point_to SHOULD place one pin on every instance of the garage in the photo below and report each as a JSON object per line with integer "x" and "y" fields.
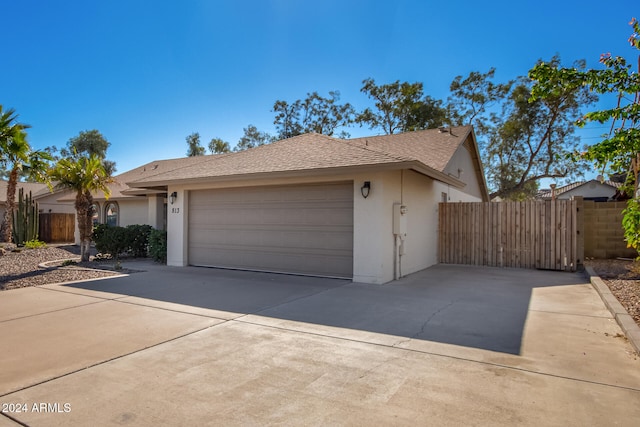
{"x": 300, "y": 229}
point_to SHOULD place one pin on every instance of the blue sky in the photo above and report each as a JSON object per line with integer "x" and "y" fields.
{"x": 148, "y": 73}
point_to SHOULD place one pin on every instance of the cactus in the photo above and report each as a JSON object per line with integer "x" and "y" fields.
{"x": 25, "y": 219}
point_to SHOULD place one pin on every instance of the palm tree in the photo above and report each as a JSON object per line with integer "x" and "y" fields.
{"x": 16, "y": 155}
{"x": 84, "y": 175}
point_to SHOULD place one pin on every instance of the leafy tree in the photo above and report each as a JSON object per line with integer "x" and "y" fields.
{"x": 83, "y": 175}
{"x": 287, "y": 119}
{"x": 473, "y": 97}
{"x": 313, "y": 114}
{"x": 253, "y": 138}
{"x": 218, "y": 146}
{"x": 17, "y": 156}
{"x": 195, "y": 149}
{"x": 619, "y": 151}
{"x": 525, "y": 140}
{"x": 400, "y": 107}
{"x": 90, "y": 143}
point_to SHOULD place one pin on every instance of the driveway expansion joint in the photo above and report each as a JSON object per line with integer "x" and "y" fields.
{"x": 122, "y": 356}
{"x": 20, "y": 423}
{"x": 53, "y": 311}
{"x": 430, "y": 353}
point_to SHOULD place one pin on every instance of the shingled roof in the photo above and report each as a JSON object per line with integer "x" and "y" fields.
{"x": 432, "y": 147}
{"x": 546, "y": 193}
{"x": 120, "y": 189}
{"x": 427, "y": 151}
{"x": 33, "y": 187}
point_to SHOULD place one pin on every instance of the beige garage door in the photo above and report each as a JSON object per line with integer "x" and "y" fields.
{"x": 305, "y": 229}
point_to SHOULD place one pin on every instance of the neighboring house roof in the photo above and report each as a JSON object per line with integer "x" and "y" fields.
{"x": 546, "y": 193}
{"x": 34, "y": 187}
{"x": 427, "y": 151}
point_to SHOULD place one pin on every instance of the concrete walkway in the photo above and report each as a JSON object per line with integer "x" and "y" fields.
{"x": 451, "y": 345}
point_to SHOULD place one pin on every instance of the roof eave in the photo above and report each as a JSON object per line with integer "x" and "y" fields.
{"x": 415, "y": 165}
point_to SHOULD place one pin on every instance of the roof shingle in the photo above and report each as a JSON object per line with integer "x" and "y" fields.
{"x": 315, "y": 152}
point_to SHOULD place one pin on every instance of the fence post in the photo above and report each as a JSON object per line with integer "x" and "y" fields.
{"x": 579, "y": 231}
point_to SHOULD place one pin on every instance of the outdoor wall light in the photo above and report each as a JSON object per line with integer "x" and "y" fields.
{"x": 365, "y": 189}
{"x": 173, "y": 197}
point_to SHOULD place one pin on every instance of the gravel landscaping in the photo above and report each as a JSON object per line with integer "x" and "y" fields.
{"x": 24, "y": 267}
{"x": 623, "y": 278}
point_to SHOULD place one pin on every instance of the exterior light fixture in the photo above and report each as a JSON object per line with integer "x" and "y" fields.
{"x": 173, "y": 197}
{"x": 365, "y": 189}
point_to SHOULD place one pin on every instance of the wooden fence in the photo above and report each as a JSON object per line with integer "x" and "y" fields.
{"x": 57, "y": 227}
{"x": 532, "y": 234}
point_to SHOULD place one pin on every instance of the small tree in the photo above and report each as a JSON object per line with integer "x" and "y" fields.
{"x": 400, "y": 107}
{"x": 253, "y": 138}
{"x": 195, "y": 149}
{"x": 90, "y": 143}
{"x": 522, "y": 140}
{"x": 219, "y": 146}
{"x": 619, "y": 151}
{"x": 315, "y": 113}
{"x": 83, "y": 175}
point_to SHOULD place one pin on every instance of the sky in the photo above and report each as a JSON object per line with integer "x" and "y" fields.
{"x": 148, "y": 73}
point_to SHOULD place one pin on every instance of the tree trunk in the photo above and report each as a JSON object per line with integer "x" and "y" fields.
{"x": 11, "y": 205}
{"x": 83, "y": 210}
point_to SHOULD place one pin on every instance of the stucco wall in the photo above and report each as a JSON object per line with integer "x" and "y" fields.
{"x": 177, "y": 228}
{"x": 421, "y": 243}
{"x": 373, "y": 240}
{"x": 372, "y": 252}
{"x": 132, "y": 211}
{"x": 462, "y": 166}
{"x": 49, "y": 203}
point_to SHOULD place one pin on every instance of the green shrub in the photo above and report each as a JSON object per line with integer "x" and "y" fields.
{"x": 132, "y": 239}
{"x": 99, "y": 231}
{"x": 35, "y": 244}
{"x": 111, "y": 240}
{"x": 138, "y": 239}
{"x": 158, "y": 245}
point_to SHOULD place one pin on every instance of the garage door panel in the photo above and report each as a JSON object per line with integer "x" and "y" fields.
{"x": 302, "y": 262}
{"x": 285, "y": 238}
{"x": 302, "y": 229}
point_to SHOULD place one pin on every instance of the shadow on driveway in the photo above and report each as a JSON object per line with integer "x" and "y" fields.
{"x": 478, "y": 307}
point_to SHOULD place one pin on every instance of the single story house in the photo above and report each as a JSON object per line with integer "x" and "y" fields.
{"x": 364, "y": 209}
{"x": 599, "y": 191}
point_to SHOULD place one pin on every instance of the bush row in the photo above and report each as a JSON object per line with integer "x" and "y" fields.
{"x": 134, "y": 240}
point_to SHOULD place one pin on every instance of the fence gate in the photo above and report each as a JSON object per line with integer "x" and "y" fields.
{"x": 531, "y": 234}
{"x": 57, "y": 227}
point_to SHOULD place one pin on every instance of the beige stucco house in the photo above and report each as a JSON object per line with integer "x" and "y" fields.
{"x": 363, "y": 209}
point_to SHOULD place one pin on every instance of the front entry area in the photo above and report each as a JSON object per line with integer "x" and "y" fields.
{"x": 300, "y": 229}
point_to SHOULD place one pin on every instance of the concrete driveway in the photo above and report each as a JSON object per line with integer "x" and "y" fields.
{"x": 451, "y": 345}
